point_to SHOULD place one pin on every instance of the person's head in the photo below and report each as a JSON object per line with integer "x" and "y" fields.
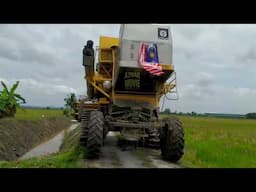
{"x": 89, "y": 43}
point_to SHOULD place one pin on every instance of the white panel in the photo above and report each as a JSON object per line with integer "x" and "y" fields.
{"x": 144, "y": 32}
{"x": 131, "y": 35}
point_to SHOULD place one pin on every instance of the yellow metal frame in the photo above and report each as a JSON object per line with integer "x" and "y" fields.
{"x": 168, "y": 67}
{"x": 151, "y": 99}
{"x": 91, "y": 105}
{"x": 107, "y": 49}
{"x": 105, "y": 44}
{"x": 108, "y": 42}
{"x": 103, "y": 101}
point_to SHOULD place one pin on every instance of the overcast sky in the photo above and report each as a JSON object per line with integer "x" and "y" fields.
{"x": 215, "y": 64}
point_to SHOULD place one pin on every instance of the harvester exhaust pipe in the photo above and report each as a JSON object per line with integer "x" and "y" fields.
{"x": 88, "y": 63}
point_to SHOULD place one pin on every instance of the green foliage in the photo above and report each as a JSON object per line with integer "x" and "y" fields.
{"x": 251, "y": 115}
{"x": 67, "y": 159}
{"x": 69, "y": 104}
{"x": 36, "y": 114}
{"x": 9, "y": 100}
{"x": 67, "y": 112}
{"x": 193, "y": 113}
{"x": 70, "y": 99}
{"x": 167, "y": 111}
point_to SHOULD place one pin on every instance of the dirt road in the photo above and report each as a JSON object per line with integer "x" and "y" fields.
{"x": 113, "y": 157}
{"x": 48, "y": 147}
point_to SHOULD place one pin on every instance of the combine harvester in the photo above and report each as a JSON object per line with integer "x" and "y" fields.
{"x": 124, "y": 89}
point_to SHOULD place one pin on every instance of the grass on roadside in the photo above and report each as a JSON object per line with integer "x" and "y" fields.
{"x": 70, "y": 156}
{"x": 35, "y": 114}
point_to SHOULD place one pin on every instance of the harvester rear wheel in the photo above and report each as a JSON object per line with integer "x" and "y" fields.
{"x": 172, "y": 140}
{"x": 95, "y": 134}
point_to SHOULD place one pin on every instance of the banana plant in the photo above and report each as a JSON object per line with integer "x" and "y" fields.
{"x": 9, "y": 100}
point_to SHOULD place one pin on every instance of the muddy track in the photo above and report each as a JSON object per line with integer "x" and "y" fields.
{"x": 114, "y": 157}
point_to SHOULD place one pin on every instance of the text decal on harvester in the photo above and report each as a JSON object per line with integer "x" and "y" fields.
{"x": 132, "y": 80}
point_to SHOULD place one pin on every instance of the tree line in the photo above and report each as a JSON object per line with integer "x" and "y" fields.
{"x": 167, "y": 111}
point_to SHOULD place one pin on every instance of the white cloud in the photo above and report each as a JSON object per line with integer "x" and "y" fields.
{"x": 245, "y": 92}
{"x": 64, "y": 89}
{"x": 49, "y": 88}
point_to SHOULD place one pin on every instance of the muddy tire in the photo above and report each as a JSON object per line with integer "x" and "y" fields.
{"x": 105, "y": 135}
{"x": 172, "y": 140}
{"x": 84, "y": 126}
{"x": 95, "y": 134}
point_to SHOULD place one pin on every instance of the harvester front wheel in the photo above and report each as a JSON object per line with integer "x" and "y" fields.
{"x": 172, "y": 140}
{"x": 95, "y": 134}
{"x": 85, "y": 115}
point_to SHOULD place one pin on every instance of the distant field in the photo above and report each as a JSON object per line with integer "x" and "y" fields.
{"x": 35, "y": 114}
{"x": 219, "y": 143}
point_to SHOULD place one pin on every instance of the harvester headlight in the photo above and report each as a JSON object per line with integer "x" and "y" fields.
{"x": 107, "y": 85}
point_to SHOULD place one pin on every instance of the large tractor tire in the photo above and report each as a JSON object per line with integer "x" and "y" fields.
{"x": 85, "y": 115}
{"x": 95, "y": 134}
{"x": 172, "y": 140}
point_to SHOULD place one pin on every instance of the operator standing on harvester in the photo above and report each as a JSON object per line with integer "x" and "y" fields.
{"x": 124, "y": 91}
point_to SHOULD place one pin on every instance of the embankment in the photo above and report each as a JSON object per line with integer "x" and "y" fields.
{"x": 19, "y": 136}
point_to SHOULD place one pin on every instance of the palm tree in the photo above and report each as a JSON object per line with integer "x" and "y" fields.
{"x": 9, "y": 100}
